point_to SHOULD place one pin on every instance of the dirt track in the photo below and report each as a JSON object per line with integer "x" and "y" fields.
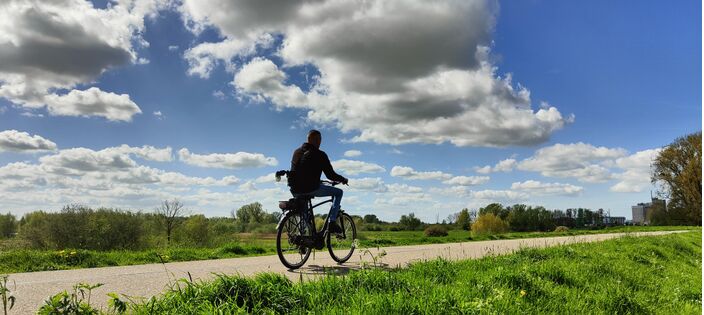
{"x": 148, "y": 280}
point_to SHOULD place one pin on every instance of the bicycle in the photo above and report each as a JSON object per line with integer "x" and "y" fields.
{"x": 296, "y": 236}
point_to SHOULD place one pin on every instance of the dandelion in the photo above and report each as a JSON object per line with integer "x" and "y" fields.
{"x": 523, "y": 293}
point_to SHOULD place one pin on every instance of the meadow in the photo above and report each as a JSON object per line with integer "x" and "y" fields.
{"x": 16, "y": 259}
{"x": 627, "y": 275}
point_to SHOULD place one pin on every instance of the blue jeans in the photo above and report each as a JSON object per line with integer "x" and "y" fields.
{"x": 335, "y": 193}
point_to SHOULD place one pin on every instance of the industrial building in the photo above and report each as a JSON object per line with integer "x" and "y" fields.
{"x": 641, "y": 211}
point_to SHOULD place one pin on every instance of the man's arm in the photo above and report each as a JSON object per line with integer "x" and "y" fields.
{"x": 329, "y": 172}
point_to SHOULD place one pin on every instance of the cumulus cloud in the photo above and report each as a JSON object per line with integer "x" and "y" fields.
{"x": 353, "y": 167}
{"x": 636, "y": 174}
{"x": 226, "y": 160}
{"x": 104, "y": 177}
{"x": 19, "y": 141}
{"x": 582, "y": 161}
{"x": 499, "y": 195}
{"x": 50, "y": 45}
{"x": 538, "y": 188}
{"x": 352, "y": 153}
{"x": 409, "y": 173}
{"x": 374, "y": 184}
{"x": 506, "y": 165}
{"x": 467, "y": 180}
{"x": 93, "y": 102}
{"x": 383, "y": 76}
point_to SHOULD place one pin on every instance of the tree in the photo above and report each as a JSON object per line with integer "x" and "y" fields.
{"x": 488, "y": 223}
{"x": 409, "y": 222}
{"x": 251, "y": 213}
{"x": 370, "y": 218}
{"x": 168, "y": 213}
{"x": 195, "y": 229}
{"x": 677, "y": 169}
{"x": 463, "y": 220}
{"x": 497, "y": 209}
{"x": 8, "y": 225}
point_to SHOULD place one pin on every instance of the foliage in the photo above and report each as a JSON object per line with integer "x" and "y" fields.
{"x": 629, "y": 275}
{"x": 8, "y": 300}
{"x": 371, "y": 218}
{"x": 523, "y": 218}
{"x": 496, "y": 209}
{"x": 8, "y": 225}
{"x": 678, "y": 169}
{"x": 435, "y": 230}
{"x": 488, "y": 223}
{"x": 195, "y": 231}
{"x": 562, "y": 228}
{"x": 463, "y": 220}
{"x": 76, "y": 302}
{"x": 409, "y": 222}
{"x": 81, "y": 227}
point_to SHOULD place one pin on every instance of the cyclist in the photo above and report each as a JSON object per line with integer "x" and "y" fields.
{"x": 307, "y": 164}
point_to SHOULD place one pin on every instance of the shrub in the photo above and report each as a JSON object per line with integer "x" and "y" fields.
{"x": 489, "y": 224}
{"x": 562, "y": 229}
{"x": 435, "y": 230}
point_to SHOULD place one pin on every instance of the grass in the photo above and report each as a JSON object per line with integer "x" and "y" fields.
{"x": 25, "y": 260}
{"x": 628, "y": 275}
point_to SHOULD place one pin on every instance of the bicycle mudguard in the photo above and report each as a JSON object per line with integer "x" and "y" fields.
{"x": 283, "y": 215}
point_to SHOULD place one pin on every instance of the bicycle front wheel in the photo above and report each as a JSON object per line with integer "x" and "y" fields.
{"x": 290, "y": 240}
{"x": 342, "y": 245}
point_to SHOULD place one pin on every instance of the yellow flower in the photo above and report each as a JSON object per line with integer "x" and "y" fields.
{"x": 62, "y": 251}
{"x": 523, "y": 293}
{"x": 73, "y": 253}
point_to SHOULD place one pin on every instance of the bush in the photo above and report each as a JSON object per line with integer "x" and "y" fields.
{"x": 489, "y": 224}
{"x": 435, "y": 230}
{"x": 562, "y": 229}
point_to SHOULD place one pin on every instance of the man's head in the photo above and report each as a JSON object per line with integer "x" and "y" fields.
{"x": 315, "y": 138}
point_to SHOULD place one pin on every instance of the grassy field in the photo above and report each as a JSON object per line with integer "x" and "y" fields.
{"x": 22, "y": 260}
{"x": 629, "y": 275}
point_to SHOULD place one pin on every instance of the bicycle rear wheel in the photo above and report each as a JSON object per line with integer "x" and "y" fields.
{"x": 342, "y": 245}
{"x": 289, "y": 240}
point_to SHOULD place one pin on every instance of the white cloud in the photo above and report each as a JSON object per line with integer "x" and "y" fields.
{"x": 443, "y": 88}
{"x": 173, "y": 47}
{"x": 467, "y": 180}
{"x": 537, "y": 188}
{"x": 374, "y": 184}
{"x": 226, "y": 160}
{"x": 582, "y": 161}
{"x": 51, "y": 45}
{"x": 409, "y": 173}
{"x": 353, "y": 167}
{"x": 636, "y": 174}
{"x": 93, "y": 102}
{"x": 499, "y": 195}
{"x": 506, "y": 165}
{"x": 353, "y": 153}
{"x": 219, "y": 95}
{"x": 158, "y": 114}
{"x": 19, "y": 141}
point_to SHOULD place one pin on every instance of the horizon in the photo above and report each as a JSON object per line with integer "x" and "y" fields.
{"x": 543, "y": 103}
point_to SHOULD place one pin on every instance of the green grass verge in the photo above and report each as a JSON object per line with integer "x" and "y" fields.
{"x": 629, "y": 275}
{"x": 24, "y": 260}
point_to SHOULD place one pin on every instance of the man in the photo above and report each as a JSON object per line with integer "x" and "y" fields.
{"x": 307, "y": 164}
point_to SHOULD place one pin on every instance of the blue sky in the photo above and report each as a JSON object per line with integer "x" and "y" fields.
{"x": 201, "y": 100}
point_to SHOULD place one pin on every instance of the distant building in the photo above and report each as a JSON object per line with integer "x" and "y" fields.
{"x": 641, "y": 211}
{"x": 611, "y": 221}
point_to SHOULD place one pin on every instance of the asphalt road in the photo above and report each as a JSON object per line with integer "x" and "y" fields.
{"x": 147, "y": 280}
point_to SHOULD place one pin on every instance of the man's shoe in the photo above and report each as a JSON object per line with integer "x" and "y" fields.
{"x": 333, "y": 228}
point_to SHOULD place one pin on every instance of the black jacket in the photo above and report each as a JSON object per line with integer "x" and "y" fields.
{"x": 307, "y": 164}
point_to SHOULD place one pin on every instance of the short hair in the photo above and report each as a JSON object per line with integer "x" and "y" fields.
{"x": 314, "y": 133}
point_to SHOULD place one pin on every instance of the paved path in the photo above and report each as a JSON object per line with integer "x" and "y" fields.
{"x": 147, "y": 280}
